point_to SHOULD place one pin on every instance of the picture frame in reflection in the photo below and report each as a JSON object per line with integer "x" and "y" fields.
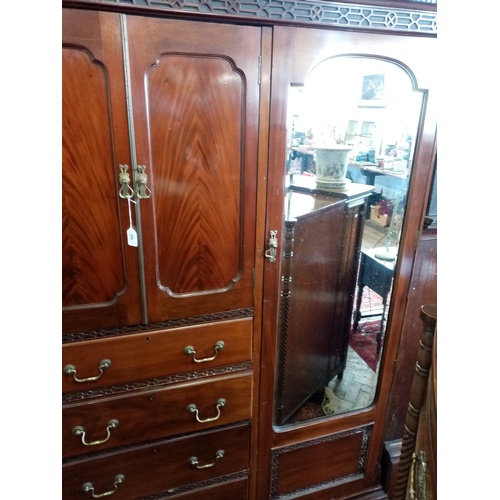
{"x": 372, "y": 91}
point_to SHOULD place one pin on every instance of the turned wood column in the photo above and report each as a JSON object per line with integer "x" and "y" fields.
{"x": 428, "y": 314}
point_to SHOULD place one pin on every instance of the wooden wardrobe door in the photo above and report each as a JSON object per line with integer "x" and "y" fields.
{"x": 308, "y": 299}
{"x": 195, "y": 97}
{"x": 99, "y": 269}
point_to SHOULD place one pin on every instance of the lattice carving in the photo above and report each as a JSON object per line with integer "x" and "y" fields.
{"x": 352, "y": 16}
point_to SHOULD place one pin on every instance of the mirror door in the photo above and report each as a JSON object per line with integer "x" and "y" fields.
{"x": 357, "y": 119}
{"x": 339, "y": 238}
{"x": 292, "y": 419}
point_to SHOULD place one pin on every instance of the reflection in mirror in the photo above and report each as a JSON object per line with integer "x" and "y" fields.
{"x": 350, "y": 139}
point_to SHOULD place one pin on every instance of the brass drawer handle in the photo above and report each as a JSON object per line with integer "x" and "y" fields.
{"x": 191, "y": 408}
{"x": 194, "y": 461}
{"x": 104, "y": 364}
{"x": 190, "y": 351}
{"x": 80, "y": 431}
{"x": 89, "y": 487}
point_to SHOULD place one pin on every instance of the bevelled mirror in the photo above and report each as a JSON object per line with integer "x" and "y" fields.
{"x": 351, "y": 132}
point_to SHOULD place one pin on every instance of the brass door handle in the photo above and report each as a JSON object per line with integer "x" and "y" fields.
{"x": 418, "y": 475}
{"x": 124, "y": 179}
{"x": 141, "y": 180}
{"x": 272, "y": 251}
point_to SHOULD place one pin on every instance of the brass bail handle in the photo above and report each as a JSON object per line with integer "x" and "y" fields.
{"x": 89, "y": 487}
{"x": 104, "y": 364}
{"x": 192, "y": 408}
{"x": 190, "y": 351}
{"x": 272, "y": 251}
{"x": 193, "y": 461}
{"x": 125, "y": 192}
{"x": 79, "y": 431}
{"x": 141, "y": 180}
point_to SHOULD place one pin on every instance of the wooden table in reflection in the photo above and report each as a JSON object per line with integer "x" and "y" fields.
{"x": 377, "y": 274}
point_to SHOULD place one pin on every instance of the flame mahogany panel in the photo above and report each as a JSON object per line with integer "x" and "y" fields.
{"x": 195, "y": 94}
{"x": 91, "y": 232}
{"x": 195, "y": 106}
{"x": 97, "y": 266}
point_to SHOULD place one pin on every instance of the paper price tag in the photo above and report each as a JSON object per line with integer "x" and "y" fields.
{"x": 132, "y": 237}
{"x": 131, "y": 232}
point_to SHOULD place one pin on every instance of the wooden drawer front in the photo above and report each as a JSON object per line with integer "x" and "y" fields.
{"x": 230, "y": 490}
{"x": 161, "y": 353}
{"x": 155, "y": 414}
{"x": 161, "y": 466}
{"x": 323, "y": 461}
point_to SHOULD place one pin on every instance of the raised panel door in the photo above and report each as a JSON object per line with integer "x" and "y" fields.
{"x": 99, "y": 270}
{"x": 195, "y": 97}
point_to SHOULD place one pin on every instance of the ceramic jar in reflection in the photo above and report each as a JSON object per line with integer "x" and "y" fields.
{"x": 331, "y": 165}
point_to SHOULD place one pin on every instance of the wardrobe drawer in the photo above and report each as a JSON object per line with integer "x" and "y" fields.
{"x": 159, "y": 353}
{"x": 230, "y": 490}
{"x": 152, "y": 414}
{"x": 165, "y": 465}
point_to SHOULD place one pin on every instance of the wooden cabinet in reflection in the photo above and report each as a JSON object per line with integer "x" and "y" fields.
{"x": 322, "y": 236}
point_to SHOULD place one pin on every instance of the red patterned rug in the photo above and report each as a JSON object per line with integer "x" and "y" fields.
{"x": 363, "y": 341}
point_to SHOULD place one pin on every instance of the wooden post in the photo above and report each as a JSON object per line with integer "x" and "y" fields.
{"x": 428, "y": 313}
